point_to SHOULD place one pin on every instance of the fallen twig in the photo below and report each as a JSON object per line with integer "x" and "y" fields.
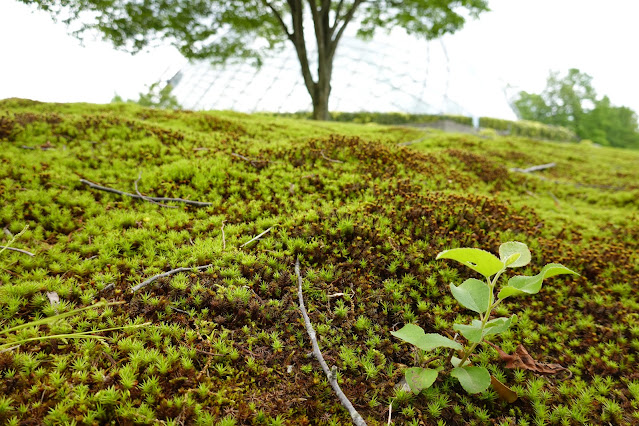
{"x": 329, "y": 159}
{"x": 254, "y": 162}
{"x": 330, "y": 374}
{"x": 411, "y": 142}
{"x": 256, "y": 238}
{"x": 145, "y": 198}
{"x": 140, "y": 197}
{"x": 555, "y": 199}
{"x": 169, "y": 273}
{"x": 17, "y": 249}
{"x": 223, "y": 236}
{"x": 533, "y": 168}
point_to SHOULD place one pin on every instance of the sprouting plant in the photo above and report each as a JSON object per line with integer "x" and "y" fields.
{"x": 478, "y": 296}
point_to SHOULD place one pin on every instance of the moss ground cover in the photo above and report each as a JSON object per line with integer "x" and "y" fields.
{"x": 365, "y": 216}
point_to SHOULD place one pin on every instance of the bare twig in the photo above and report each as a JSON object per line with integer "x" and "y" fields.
{"x": 390, "y": 413}
{"x": 330, "y": 374}
{"x": 533, "y": 168}
{"x": 254, "y": 162}
{"x": 329, "y": 159}
{"x": 411, "y": 142}
{"x": 223, "y": 236}
{"x": 128, "y": 194}
{"x": 555, "y": 199}
{"x": 18, "y": 250}
{"x": 169, "y": 273}
{"x": 256, "y": 238}
{"x": 145, "y": 198}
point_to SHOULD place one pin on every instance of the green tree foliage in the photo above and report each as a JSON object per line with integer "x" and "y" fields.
{"x": 223, "y": 30}
{"x": 572, "y": 102}
{"x": 156, "y": 97}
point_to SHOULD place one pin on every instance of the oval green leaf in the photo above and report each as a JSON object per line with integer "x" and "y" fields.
{"x": 471, "y": 332}
{"x": 472, "y": 294}
{"x": 507, "y": 252}
{"x": 472, "y": 379}
{"x": 420, "y": 378}
{"x": 478, "y": 260}
{"x": 522, "y": 284}
{"x": 498, "y": 325}
{"x": 415, "y": 335}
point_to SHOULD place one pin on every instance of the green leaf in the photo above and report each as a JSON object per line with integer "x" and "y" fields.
{"x": 471, "y": 332}
{"x": 478, "y": 260}
{"x": 420, "y": 378}
{"x": 472, "y": 379}
{"x": 507, "y": 252}
{"x": 472, "y": 294}
{"x": 475, "y": 334}
{"x": 415, "y": 335}
{"x": 522, "y": 284}
{"x": 498, "y": 325}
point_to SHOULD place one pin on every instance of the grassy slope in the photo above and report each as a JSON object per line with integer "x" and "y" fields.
{"x": 367, "y": 230}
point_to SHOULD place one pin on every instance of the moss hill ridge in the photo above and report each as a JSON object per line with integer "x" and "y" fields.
{"x": 366, "y": 208}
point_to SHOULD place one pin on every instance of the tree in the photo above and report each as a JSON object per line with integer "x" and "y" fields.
{"x": 158, "y": 96}
{"x": 572, "y": 102}
{"x": 562, "y": 102}
{"x": 224, "y": 30}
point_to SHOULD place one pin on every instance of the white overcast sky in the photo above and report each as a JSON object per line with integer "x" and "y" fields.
{"x": 518, "y": 43}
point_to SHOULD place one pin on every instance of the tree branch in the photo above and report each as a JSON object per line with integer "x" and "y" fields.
{"x": 330, "y": 374}
{"x": 278, "y": 16}
{"x": 347, "y": 19}
{"x": 338, "y": 10}
{"x": 297, "y": 15}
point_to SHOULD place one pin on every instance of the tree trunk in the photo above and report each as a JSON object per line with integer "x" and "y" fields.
{"x": 320, "y": 95}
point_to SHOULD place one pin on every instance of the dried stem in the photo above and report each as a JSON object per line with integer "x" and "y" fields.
{"x": 357, "y": 418}
{"x": 168, "y": 273}
{"x": 145, "y": 198}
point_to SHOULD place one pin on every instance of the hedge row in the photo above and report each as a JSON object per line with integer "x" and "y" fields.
{"x": 530, "y": 129}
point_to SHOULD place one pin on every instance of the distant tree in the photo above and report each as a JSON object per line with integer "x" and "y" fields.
{"x": 158, "y": 96}
{"x": 610, "y": 125}
{"x": 571, "y": 101}
{"x": 223, "y": 30}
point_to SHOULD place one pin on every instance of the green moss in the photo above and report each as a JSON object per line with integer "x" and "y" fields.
{"x": 226, "y": 344}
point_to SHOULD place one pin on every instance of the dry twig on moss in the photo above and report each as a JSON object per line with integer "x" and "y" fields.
{"x": 168, "y": 273}
{"x": 142, "y": 197}
{"x": 330, "y": 374}
{"x": 533, "y": 168}
{"x": 17, "y": 249}
{"x": 329, "y": 159}
{"x": 256, "y": 238}
{"x": 150, "y": 200}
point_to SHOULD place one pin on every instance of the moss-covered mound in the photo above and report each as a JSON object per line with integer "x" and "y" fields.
{"x": 365, "y": 208}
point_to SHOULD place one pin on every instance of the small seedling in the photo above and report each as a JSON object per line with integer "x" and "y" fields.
{"x": 478, "y": 296}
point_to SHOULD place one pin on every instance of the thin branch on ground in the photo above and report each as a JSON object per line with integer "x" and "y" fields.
{"x": 330, "y": 374}
{"x": 533, "y": 168}
{"x": 145, "y": 198}
{"x": 256, "y": 238}
{"x": 223, "y": 236}
{"x": 17, "y": 249}
{"x": 412, "y": 142}
{"x": 555, "y": 199}
{"x": 167, "y": 274}
{"x": 390, "y": 413}
{"x": 254, "y": 162}
{"x": 329, "y": 159}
